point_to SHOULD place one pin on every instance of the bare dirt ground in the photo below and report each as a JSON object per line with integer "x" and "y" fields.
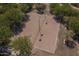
{"x": 76, "y": 8}
{"x": 45, "y": 35}
{"x": 49, "y": 38}
{"x": 63, "y": 50}
{"x": 44, "y": 28}
{"x": 37, "y": 26}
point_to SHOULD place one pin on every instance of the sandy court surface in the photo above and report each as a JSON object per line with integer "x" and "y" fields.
{"x": 32, "y": 27}
{"x": 49, "y": 39}
{"x": 36, "y": 26}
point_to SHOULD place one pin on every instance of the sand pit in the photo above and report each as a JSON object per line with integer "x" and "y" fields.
{"x": 45, "y": 25}
{"x": 50, "y": 35}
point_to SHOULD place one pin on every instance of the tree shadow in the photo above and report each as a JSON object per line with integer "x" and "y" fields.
{"x": 17, "y": 27}
{"x": 56, "y": 19}
{"x": 4, "y": 51}
{"x": 59, "y": 19}
{"x": 39, "y": 11}
{"x": 25, "y": 18}
{"x": 70, "y": 44}
{"x": 76, "y": 38}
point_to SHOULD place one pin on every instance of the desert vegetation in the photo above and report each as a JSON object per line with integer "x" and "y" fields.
{"x": 22, "y": 45}
{"x": 11, "y": 16}
{"x": 69, "y": 19}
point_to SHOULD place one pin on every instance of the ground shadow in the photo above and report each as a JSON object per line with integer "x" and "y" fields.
{"x": 25, "y": 18}
{"x": 70, "y": 44}
{"x": 17, "y": 27}
{"x": 4, "y": 51}
{"x": 76, "y": 38}
{"x": 59, "y": 19}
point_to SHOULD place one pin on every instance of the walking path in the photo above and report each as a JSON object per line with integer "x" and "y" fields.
{"x": 74, "y": 7}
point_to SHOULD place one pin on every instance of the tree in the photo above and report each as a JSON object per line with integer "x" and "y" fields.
{"x": 23, "y": 45}
{"x": 26, "y": 7}
{"x": 40, "y": 8}
{"x": 63, "y": 9}
{"x": 5, "y": 34}
{"x": 73, "y": 24}
{"x": 6, "y": 7}
{"x": 11, "y": 17}
{"x": 14, "y": 17}
{"x": 5, "y": 31}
